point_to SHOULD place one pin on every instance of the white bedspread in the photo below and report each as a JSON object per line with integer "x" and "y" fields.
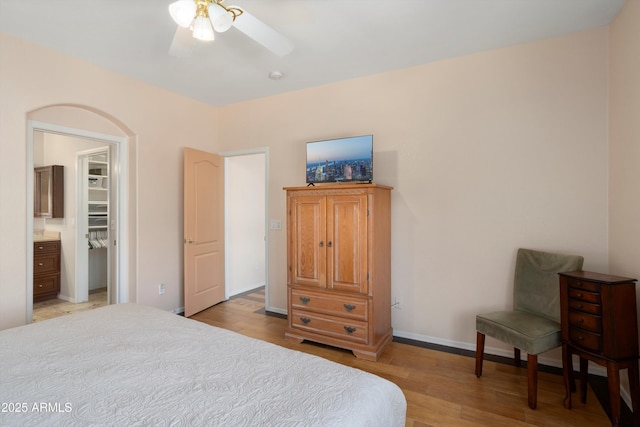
{"x": 131, "y": 365}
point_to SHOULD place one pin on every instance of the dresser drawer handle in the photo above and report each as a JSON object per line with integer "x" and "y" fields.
{"x": 579, "y": 305}
{"x": 41, "y": 247}
{"x": 580, "y": 320}
{"x": 580, "y": 338}
{"x": 305, "y": 320}
{"x": 579, "y": 284}
{"x": 349, "y": 307}
{"x": 40, "y": 264}
{"x": 579, "y": 295}
{"x": 41, "y": 286}
{"x": 305, "y": 300}
{"x": 349, "y": 329}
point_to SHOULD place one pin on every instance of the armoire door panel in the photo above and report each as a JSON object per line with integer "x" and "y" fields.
{"x": 347, "y": 243}
{"x": 308, "y": 237}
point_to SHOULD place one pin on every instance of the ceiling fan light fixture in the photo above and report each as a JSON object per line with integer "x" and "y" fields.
{"x": 202, "y": 29}
{"x": 183, "y": 12}
{"x": 221, "y": 19}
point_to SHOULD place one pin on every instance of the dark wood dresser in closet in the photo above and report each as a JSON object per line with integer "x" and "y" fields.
{"x": 599, "y": 323}
{"x": 46, "y": 269}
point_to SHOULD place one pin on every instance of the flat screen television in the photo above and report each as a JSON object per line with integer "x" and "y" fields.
{"x": 340, "y": 160}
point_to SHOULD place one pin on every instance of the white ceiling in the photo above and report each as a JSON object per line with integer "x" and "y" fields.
{"x": 334, "y": 40}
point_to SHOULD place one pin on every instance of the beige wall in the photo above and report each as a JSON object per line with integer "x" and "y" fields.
{"x": 624, "y": 139}
{"x": 487, "y": 153}
{"x": 159, "y": 124}
{"x": 624, "y": 145}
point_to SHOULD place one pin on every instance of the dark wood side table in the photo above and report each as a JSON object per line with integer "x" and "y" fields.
{"x": 599, "y": 323}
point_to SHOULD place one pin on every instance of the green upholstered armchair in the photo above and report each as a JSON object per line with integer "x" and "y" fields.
{"x": 534, "y": 323}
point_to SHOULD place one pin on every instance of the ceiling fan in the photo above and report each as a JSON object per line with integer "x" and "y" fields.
{"x": 201, "y": 19}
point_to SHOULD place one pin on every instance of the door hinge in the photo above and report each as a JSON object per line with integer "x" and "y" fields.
{"x": 367, "y": 275}
{"x": 114, "y": 242}
{"x": 367, "y": 212}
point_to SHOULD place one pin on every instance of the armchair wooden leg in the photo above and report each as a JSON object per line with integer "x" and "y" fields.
{"x": 532, "y": 380}
{"x": 479, "y": 353}
{"x": 516, "y": 357}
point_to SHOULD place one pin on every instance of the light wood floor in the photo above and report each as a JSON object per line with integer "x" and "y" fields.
{"x": 441, "y": 388}
{"x": 56, "y": 307}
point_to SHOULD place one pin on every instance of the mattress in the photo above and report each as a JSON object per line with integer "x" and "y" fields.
{"x": 129, "y": 364}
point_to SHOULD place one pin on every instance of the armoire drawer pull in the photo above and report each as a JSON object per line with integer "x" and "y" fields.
{"x": 349, "y": 307}
{"x": 579, "y": 295}
{"x": 41, "y": 285}
{"x": 305, "y": 300}
{"x": 305, "y": 320}
{"x": 349, "y": 329}
{"x": 41, "y": 247}
{"x": 40, "y": 264}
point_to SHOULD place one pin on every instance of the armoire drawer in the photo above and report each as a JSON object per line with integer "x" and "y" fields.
{"x": 331, "y": 304}
{"x": 331, "y": 326}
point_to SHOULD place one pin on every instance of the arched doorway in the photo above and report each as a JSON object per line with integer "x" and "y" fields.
{"x": 79, "y": 123}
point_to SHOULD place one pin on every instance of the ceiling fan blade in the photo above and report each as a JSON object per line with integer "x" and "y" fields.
{"x": 182, "y": 43}
{"x": 263, "y": 34}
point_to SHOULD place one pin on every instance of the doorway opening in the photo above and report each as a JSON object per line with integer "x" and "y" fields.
{"x": 246, "y": 221}
{"x": 51, "y": 143}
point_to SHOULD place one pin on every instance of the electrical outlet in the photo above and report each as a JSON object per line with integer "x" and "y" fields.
{"x": 161, "y": 289}
{"x": 396, "y": 303}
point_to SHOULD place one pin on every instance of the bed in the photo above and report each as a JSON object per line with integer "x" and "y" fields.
{"x": 129, "y": 364}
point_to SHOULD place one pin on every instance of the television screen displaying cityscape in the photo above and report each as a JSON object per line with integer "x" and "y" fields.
{"x": 343, "y": 159}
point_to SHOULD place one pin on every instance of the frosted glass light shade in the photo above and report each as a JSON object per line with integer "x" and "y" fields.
{"x": 183, "y": 12}
{"x": 220, "y": 18}
{"x": 202, "y": 29}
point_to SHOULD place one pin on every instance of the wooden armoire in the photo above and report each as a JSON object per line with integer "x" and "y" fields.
{"x": 339, "y": 266}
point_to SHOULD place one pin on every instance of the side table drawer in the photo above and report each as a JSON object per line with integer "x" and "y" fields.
{"x": 585, "y": 306}
{"x": 586, "y": 321}
{"x": 587, "y": 296}
{"x": 584, "y": 285}
{"x": 586, "y": 340}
